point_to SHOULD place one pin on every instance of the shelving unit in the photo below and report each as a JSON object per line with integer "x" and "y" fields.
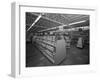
{"x": 48, "y": 45}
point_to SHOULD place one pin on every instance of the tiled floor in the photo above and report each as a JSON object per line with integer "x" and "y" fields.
{"x": 74, "y": 56}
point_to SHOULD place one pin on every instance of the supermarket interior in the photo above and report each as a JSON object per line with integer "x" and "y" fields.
{"x": 54, "y": 39}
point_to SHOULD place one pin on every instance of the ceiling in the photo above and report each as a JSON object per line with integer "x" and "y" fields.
{"x": 50, "y": 20}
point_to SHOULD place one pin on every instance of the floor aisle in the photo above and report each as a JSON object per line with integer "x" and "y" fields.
{"x": 74, "y": 56}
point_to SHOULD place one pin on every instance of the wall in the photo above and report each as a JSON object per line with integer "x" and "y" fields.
{"x": 5, "y": 41}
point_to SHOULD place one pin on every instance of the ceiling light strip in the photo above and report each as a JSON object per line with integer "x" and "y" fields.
{"x": 35, "y": 22}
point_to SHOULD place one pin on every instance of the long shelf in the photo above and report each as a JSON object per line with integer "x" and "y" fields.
{"x": 45, "y": 48}
{"x": 47, "y": 43}
{"x": 47, "y": 40}
{"x": 46, "y": 53}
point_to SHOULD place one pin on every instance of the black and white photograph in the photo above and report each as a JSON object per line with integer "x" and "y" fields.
{"x": 54, "y": 39}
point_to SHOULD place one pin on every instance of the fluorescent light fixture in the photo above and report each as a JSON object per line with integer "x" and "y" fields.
{"x": 35, "y": 22}
{"x": 52, "y": 28}
{"x": 77, "y": 22}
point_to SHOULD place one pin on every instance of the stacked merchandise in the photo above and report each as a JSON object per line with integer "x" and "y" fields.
{"x": 46, "y": 44}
